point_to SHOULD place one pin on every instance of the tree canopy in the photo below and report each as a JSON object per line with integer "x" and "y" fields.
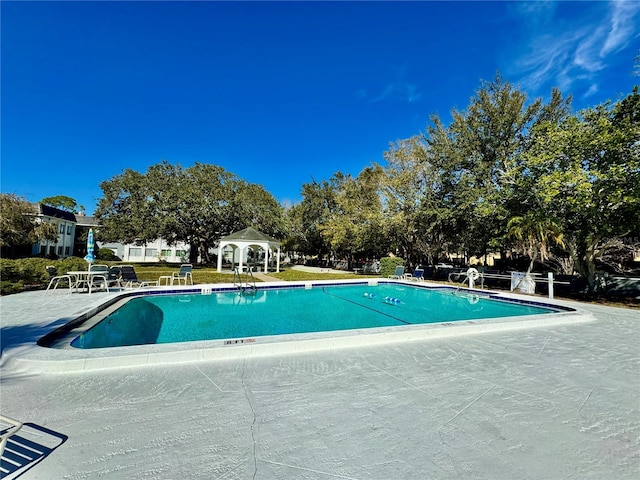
{"x": 19, "y": 224}
{"x": 584, "y": 173}
{"x": 196, "y": 205}
{"x": 63, "y": 203}
{"x": 506, "y": 174}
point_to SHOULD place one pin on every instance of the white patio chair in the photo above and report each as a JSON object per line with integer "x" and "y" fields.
{"x": 399, "y": 273}
{"x": 55, "y": 279}
{"x": 184, "y": 274}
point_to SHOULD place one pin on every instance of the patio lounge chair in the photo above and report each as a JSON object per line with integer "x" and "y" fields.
{"x": 399, "y": 273}
{"x": 184, "y": 274}
{"x": 24, "y": 445}
{"x": 55, "y": 279}
{"x": 101, "y": 279}
{"x": 418, "y": 275}
{"x": 114, "y": 275}
{"x": 129, "y": 279}
{"x": 8, "y": 427}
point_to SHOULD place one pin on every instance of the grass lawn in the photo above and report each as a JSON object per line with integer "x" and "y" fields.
{"x": 200, "y": 274}
{"x": 297, "y": 275}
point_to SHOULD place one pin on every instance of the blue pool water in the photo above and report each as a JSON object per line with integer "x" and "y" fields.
{"x": 230, "y": 315}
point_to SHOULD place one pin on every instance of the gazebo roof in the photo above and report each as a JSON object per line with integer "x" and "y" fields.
{"x": 249, "y": 234}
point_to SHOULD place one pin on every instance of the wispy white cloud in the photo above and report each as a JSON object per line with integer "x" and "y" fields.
{"x": 398, "y": 90}
{"x": 563, "y": 50}
{"x": 623, "y": 26}
{"x": 536, "y": 13}
{"x": 401, "y": 91}
{"x": 593, "y": 89}
{"x": 585, "y": 56}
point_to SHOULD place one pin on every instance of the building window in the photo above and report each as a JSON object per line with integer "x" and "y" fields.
{"x": 165, "y": 253}
{"x": 59, "y": 250}
{"x": 151, "y": 252}
{"x": 52, "y": 250}
{"x": 68, "y": 229}
{"x": 135, "y": 252}
{"x": 61, "y": 228}
{"x": 181, "y": 253}
{"x": 67, "y": 250}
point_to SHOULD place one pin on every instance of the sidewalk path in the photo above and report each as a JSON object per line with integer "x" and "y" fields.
{"x": 266, "y": 278}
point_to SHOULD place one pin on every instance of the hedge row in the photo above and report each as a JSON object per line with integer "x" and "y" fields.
{"x": 30, "y": 273}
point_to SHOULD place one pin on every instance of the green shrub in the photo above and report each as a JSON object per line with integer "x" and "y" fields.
{"x": 8, "y": 271}
{"x": 388, "y": 265}
{"x": 7, "y": 288}
{"x": 27, "y": 271}
{"x": 107, "y": 255}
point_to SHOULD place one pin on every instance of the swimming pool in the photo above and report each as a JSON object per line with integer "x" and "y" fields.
{"x": 233, "y": 317}
{"x": 54, "y": 354}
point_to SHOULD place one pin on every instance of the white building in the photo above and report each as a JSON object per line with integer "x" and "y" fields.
{"x": 152, "y": 252}
{"x": 65, "y": 223}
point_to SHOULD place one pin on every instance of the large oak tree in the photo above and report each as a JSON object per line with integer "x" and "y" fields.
{"x": 197, "y": 205}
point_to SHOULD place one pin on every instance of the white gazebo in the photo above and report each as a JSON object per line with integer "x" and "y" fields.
{"x": 243, "y": 240}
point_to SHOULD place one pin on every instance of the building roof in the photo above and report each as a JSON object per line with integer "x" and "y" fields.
{"x": 85, "y": 221}
{"x": 54, "y": 212}
{"x": 49, "y": 211}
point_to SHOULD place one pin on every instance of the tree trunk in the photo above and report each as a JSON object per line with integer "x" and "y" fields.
{"x": 585, "y": 265}
{"x": 193, "y": 253}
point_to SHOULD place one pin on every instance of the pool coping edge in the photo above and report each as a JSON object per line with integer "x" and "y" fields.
{"x": 35, "y": 359}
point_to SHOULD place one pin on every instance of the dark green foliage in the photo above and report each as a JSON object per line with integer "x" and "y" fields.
{"x": 107, "y": 255}
{"x": 7, "y": 288}
{"x": 196, "y": 205}
{"x": 341, "y": 217}
{"x": 388, "y": 265}
{"x": 62, "y": 202}
{"x": 18, "y": 225}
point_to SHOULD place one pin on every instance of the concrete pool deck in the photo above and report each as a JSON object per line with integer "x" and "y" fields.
{"x": 552, "y": 402}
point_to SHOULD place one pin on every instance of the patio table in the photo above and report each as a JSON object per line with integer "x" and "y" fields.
{"x": 84, "y": 278}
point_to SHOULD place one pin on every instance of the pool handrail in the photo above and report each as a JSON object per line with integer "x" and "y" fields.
{"x": 238, "y": 283}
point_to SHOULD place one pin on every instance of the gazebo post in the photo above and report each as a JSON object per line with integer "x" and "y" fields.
{"x": 243, "y": 251}
{"x": 220, "y": 246}
{"x": 267, "y": 251}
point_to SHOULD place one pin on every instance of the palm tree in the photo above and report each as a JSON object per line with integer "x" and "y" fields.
{"x": 532, "y": 233}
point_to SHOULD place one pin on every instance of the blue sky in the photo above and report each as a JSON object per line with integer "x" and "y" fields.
{"x": 278, "y": 93}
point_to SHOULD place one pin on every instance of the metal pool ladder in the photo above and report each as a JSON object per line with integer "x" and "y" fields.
{"x": 245, "y": 287}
